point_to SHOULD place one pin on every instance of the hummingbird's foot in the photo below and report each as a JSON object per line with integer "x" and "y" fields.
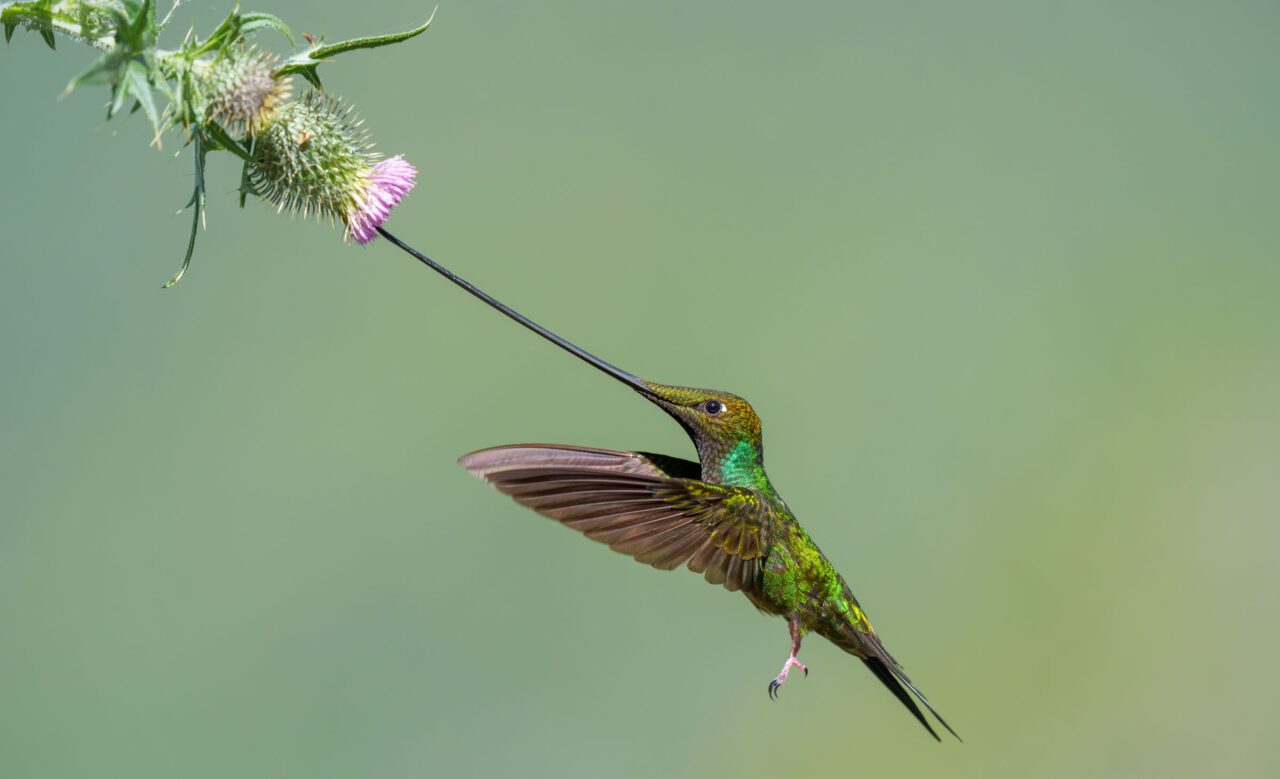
{"x": 781, "y": 679}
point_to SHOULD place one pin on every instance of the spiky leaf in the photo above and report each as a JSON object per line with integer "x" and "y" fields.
{"x": 224, "y": 141}
{"x": 252, "y": 22}
{"x": 140, "y": 89}
{"x": 306, "y": 63}
{"x": 196, "y": 204}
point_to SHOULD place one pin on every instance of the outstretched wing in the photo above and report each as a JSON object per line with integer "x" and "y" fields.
{"x": 643, "y": 505}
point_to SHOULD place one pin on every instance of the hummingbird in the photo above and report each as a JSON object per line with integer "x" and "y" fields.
{"x": 720, "y": 516}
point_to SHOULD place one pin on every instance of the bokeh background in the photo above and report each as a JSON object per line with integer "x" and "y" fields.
{"x": 1000, "y": 277}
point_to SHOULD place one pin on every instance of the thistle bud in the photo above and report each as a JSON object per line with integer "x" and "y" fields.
{"x": 243, "y": 94}
{"x": 315, "y": 158}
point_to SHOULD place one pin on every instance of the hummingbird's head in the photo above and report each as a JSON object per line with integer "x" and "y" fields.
{"x": 724, "y": 428}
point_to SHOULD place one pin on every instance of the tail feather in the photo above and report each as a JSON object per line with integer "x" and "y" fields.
{"x": 886, "y": 676}
{"x": 892, "y": 676}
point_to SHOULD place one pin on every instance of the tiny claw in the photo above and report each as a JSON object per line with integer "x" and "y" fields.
{"x": 781, "y": 678}
{"x": 806, "y": 671}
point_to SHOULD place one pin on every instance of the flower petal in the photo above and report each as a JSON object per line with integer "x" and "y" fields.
{"x": 386, "y": 185}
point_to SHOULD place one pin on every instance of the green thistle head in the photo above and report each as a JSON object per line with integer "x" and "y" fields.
{"x": 315, "y": 158}
{"x": 243, "y": 91}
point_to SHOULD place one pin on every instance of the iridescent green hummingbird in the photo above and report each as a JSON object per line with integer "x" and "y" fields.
{"x": 720, "y": 516}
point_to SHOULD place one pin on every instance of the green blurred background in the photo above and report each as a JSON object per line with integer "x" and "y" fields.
{"x": 1000, "y": 277}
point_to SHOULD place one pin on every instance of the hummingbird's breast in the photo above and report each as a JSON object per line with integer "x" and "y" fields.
{"x": 796, "y": 578}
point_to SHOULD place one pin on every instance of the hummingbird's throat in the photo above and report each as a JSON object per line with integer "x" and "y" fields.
{"x": 743, "y": 466}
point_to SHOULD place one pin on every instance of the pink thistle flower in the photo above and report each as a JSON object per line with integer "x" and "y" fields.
{"x": 385, "y": 186}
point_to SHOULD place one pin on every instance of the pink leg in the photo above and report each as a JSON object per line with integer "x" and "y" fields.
{"x": 797, "y": 635}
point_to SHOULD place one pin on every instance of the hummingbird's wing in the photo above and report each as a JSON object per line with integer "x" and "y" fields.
{"x": 639, "y": 504}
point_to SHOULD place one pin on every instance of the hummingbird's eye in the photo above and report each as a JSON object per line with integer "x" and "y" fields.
{"x": 713, "y": 407}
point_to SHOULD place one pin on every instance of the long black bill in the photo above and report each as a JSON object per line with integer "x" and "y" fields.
{"x": 626, "y": 378}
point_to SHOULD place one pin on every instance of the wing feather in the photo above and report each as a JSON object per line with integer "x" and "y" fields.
{"x": 642, "y": 505}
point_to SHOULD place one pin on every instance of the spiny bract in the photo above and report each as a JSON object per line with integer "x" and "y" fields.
{"x": 243, "y": 91}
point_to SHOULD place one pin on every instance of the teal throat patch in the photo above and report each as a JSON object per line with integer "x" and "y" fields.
{"x": 742, "y": 467}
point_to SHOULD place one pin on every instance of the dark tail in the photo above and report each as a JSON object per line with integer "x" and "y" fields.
{"x": 890, "y": 674}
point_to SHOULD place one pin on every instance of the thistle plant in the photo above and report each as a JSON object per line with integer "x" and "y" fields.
{"x": 222, "y": 93}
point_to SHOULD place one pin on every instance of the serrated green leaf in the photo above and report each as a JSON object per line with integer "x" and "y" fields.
{"x": 301, "y": 65}
{"x": 312, "y": 74}
{"x": 246, "y": 183}
{"x": 306, "y": 63}
{"x": 225, "y": 34}
{"x": 139, "y": 33}
{"x": 226, "y": 142}
{"x": 9, "y": 27}
{"x": 47, "y": 34}
{"x": 119, "y": 94}
{"x": 182, "y": 101}
{"x": 246, "y": 178}
{"x": 196, "y": 204}
{"x": 162, "y": 86}
{"x": 136, "y": 75}
{"x": 253, "y": 22}
{"x": 94, "y": 74}
{"x": 371, "y": 42}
